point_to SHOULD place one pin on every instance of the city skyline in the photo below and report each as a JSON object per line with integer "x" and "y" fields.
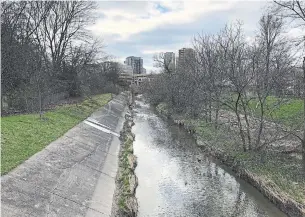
{"x": 136, "y": 63}
{"x": 146, "y": 28}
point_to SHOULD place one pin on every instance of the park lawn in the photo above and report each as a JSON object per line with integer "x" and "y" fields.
{"x": 289, "y": 112}
{"x": 24, "y": 135}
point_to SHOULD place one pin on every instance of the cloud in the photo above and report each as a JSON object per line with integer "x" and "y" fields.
{"x": 154, "y": 51}
{"x": 133, "y": 19}
{"x": 295, "y": 33}
{"x": 143, "y": 28}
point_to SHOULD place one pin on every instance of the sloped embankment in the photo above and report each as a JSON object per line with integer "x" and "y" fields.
{"x": 125, "y": 202}
{"x": 267, "y": 176}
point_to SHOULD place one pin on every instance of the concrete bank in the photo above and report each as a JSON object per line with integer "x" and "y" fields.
{"x": 74, "y": 175}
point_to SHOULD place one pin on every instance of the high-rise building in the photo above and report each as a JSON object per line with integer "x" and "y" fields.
{"x": 185, "y": 55}
{"x": 170, "y": 60}
{"x": 136, "y": 63}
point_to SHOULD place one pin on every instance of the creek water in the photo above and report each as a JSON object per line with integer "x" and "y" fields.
{"x": 176, "y": 178}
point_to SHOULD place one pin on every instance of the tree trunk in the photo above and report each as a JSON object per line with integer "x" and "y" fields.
{"x": 247, "y": 125}
{"x": 26, "y": 103}
{"x": 210, "y": 107}
{"x": 216, "y": 117}
{"x": 303, "y": 154}
{"x": 303, "y": 140}
{"x": 217, "y": 110}
{"x": 241, "y": 132}
{"x": 259, "y": 134}
{"x": 40, "y": 103}
{"x": 261, "y": 124}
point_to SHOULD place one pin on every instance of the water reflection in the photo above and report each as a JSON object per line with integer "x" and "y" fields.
{"x": 176, "y": 179}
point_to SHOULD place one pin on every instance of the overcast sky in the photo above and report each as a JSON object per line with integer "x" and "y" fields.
{"x": 142, "y": 28}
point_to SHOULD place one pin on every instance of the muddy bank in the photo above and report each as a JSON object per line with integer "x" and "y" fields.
{"x": 279, "y": 198}
{"x": 125, "y": 203}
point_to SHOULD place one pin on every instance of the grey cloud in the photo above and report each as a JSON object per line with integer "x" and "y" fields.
{"x": 130, "y": 6}
{"x": 168, "y": 37}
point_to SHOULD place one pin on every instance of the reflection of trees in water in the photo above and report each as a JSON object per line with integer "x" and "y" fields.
{"x": 217, "y": 201}
{"x": 238, "y": 206}
{"x": 209, "y": 169}
{"x": 224, "y": 173}
{"x": 243, "y": 206}
{"x": 181, "y": 143}
{"x": 156, "y": 124}
{"x": 259, "y": 212}
{"x": 214, "y": 198}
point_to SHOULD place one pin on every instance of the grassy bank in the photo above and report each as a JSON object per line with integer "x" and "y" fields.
{"x": 287, "y": 111}
{"x": 24, "y": 135}
{"x": 281, "y": 173}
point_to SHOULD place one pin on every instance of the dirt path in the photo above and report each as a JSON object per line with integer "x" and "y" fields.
{"x": 273, "y": 134}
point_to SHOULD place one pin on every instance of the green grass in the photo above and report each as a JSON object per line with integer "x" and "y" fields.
{"x": 125, "y": 171}
{"x": 281, "y": 169}
{"x": 288, "y": 111}
{"x": 24, "y": 135}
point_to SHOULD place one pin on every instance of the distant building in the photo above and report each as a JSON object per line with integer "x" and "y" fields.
{"x": 143, "y": 71}
{"x": 185, "y": 55}
{"x": 136, "y": 63}
{"x": 170, "y": 60}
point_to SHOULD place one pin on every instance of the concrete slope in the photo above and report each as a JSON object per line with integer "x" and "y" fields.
{"x": 74, "y": 175}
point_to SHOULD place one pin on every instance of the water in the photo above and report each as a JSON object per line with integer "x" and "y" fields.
{"x": 177, "y": 179}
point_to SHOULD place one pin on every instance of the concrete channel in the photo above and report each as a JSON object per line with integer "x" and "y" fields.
{"x": 74, "y": 175}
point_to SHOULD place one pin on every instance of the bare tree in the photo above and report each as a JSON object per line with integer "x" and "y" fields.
{"x": 36, "y": 38}
{"x": 233, "y": 69}
{"x": 295, "y": 10}
{"x": 20, "y": 51}
{"x": 205, "y": 48}
{"x": 166, "y": 64}
{"x": 235, "y": 78}
{"x": 65, "y": 22}
{"x": 270, "y": 30}
{"x": 303, "y": 140}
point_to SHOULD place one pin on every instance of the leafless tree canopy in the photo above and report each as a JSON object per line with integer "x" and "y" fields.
{"x": 160, "y": 61}
{"x": 48, "y": 53}
{"x": 231, "y": 77}
{"x": 292, "y": 9}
